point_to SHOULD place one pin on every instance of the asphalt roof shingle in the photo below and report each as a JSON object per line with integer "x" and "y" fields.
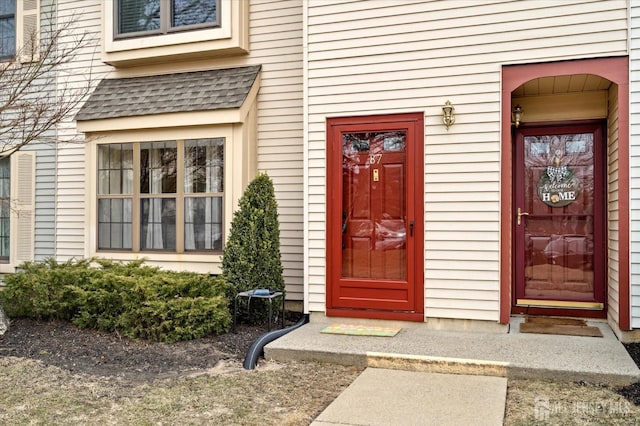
{"x": 158, "y": 94}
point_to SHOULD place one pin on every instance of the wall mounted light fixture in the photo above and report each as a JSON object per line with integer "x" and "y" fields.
{"x": 516, "y": 115}
{"x": 448, "y": 118}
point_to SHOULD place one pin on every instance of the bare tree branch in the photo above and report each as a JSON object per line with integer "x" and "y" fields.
{"x": 34, "y": 98}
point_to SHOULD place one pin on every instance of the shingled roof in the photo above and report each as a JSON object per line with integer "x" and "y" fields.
{"x": 158, "y": 94}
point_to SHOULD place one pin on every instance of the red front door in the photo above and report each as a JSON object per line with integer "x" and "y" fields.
{"x": 559, "y": 225}
{"x": 374, "y": 236}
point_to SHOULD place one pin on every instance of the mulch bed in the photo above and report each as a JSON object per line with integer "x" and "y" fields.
{"x": 64, "y": 345}
{"x": 632, "y": 391}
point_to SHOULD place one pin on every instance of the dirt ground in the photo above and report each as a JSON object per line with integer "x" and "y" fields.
{"x": 64, "y": 345}
{"x": 57, "y": 373}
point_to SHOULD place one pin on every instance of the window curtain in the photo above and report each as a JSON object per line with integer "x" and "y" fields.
{"x": 199, "y": 211}
{"x": 154, "y": 219}
{"x": 191, "y": 167}
{"x": 210, "y": 186}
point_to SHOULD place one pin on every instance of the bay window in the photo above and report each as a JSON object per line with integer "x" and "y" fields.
{"x": 161, "y": 196}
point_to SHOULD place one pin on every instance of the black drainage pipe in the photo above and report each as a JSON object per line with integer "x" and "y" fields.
{"x": 256, "y": 350}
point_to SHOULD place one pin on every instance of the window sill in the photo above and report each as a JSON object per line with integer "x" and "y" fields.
{"x": 210, "y": 263}
{"x": 8, "y": 268}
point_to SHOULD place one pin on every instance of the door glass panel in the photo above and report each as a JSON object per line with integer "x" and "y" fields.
{"x": 374, "y": 239}
{"x": 559, "y": 228}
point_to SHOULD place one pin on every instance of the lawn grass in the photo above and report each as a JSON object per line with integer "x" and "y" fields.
{"x": 276, "y": 394}
{"x": 273, "y": 394}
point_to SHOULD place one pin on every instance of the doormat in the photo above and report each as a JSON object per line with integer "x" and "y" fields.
{"x": 563, "y": 326}
{"x": 360, "y": 330}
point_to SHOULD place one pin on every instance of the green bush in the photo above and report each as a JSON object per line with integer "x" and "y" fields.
{"x": 181, "y": 318}
{"x": 102, "y": 300}
{"x": 45, "y": 291}
{"x": 134, "y": 299}
{"x": 251, "y": 257}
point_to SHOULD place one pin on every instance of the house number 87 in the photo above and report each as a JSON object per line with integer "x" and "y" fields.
{"x": 375, "y": 158}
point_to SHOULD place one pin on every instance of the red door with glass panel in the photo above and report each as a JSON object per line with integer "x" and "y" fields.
{"x": 559, "y": 219}
{"x": 374, "y": 239}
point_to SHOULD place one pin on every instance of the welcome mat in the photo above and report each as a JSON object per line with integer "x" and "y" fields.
{"x": 563, "y": 326}
{"x": 360, "y": 330}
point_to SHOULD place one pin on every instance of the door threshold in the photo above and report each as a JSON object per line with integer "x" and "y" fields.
{"x": 564, "y": 304}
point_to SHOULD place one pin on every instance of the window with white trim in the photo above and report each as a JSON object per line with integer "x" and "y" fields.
{"x": 149, "y": 17}
{"x": 161, "y": 196}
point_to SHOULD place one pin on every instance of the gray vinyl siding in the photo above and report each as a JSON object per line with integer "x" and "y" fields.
{"x": 45, "y": 153}
{"x": 44, "y": 244}
{"x": 45, "y": 188}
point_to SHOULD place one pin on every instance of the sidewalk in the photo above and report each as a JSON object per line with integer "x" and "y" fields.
{"x": 422, "y": 376}
{"x": 395, "y": 397}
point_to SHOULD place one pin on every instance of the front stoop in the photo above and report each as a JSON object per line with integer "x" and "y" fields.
{"x": 512, "y": 355}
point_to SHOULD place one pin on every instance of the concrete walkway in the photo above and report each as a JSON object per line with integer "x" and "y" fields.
{"x": 422, "y": 376}
{"x": 395, "y": 397}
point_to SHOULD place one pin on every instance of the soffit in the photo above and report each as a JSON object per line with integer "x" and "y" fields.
{"x": 562, "y": 84}
{"x": 220, "y": 89}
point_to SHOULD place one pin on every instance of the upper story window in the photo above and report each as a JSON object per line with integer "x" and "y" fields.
{"x": 7, "y": 29}
{"x": 149, "y": 17}
{"x": 139, "y": 32}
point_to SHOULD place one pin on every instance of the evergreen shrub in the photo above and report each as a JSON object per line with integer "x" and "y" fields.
{"x": 251, "y": 257}
{"x": 134, "y": 299}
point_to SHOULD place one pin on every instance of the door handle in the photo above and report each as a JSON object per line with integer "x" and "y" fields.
{"x": 411, "y": 228}
{"x": 520, "y": 214}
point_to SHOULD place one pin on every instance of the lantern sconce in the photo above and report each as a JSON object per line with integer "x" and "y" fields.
{"x": 447, "y": 115}
{"x": 516, "y": 115}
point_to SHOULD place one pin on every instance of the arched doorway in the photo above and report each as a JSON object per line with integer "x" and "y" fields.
{"x": 558, "y": 248}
